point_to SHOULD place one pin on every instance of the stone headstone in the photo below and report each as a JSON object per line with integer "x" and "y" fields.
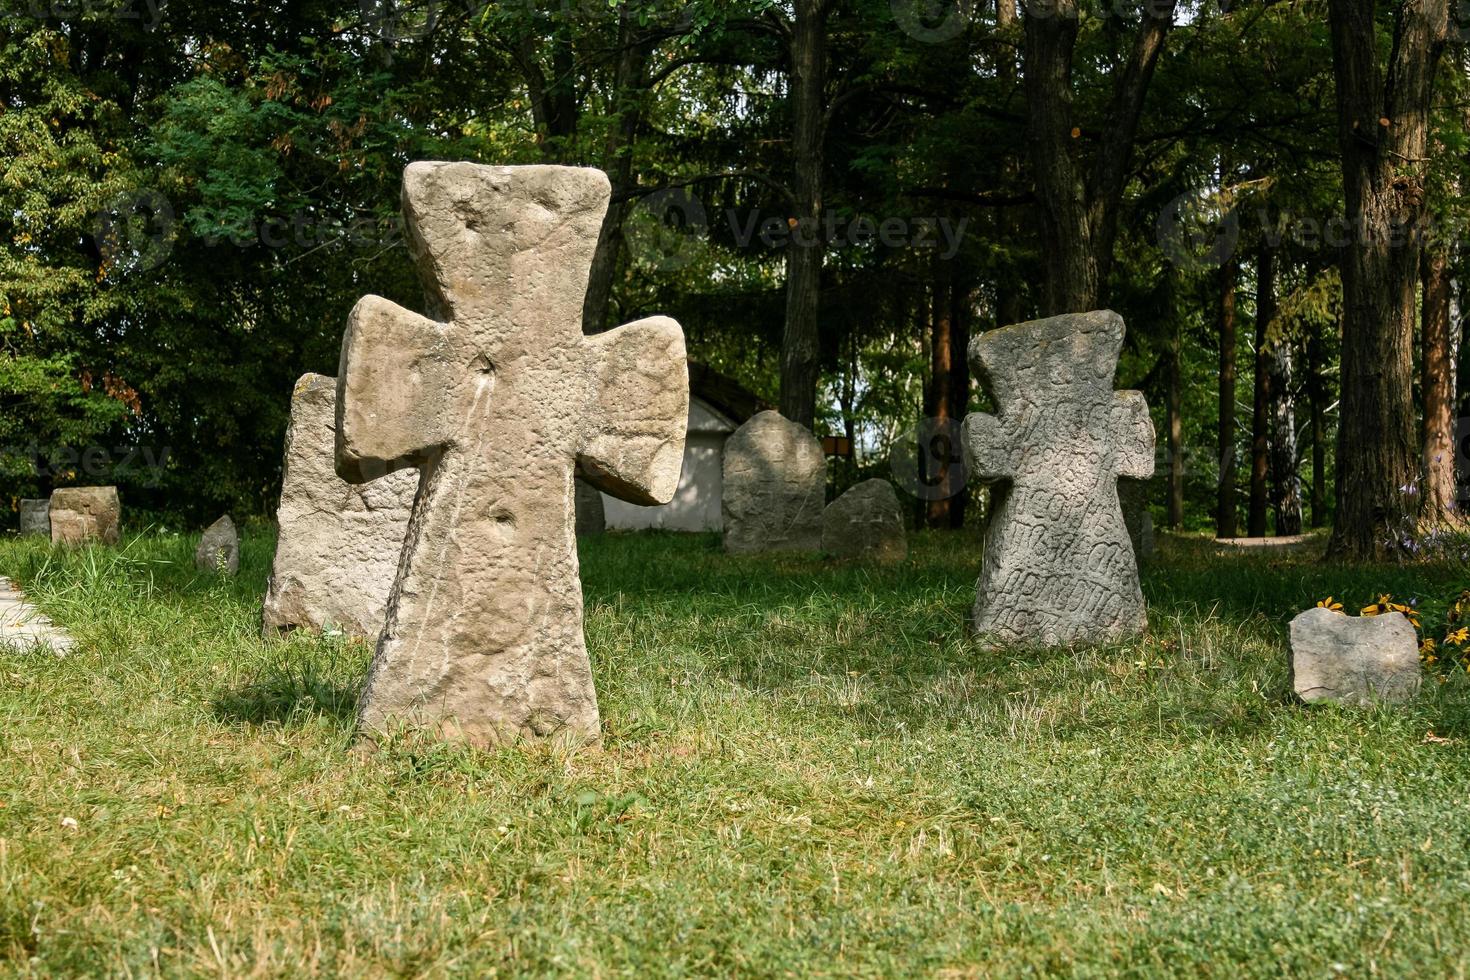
{"x": 82, "y": 515}
{"x": 337, "y": 545}
{"x": 1058, "y": 567}
{"x": 866, "y": 523}
{"x": 1353, "y": 659}
{"x": 775, "y": 487}
{"x": 219, "y": 548}
{"x": 499, "y": 399}
{"x": 35, "y": 517}
{"x": 591, "y": 513}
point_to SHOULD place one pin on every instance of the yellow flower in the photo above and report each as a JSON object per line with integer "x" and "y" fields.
{"x": 1461, "y": 607}
{"x": 1330, "y": 603}
{"x": 1458, "y": 637}
{"x": 1410, "y": 613}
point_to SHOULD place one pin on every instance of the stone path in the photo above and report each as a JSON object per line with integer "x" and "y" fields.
{"x": 1254, "y": 544}
{"x": 24, "y": 626}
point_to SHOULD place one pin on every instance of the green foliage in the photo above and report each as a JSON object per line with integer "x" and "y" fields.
{"x": 194, "y": 195}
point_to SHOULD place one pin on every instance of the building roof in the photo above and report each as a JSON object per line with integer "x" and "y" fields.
{"x": 723, "y": 393}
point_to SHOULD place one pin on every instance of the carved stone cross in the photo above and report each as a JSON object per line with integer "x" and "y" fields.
{"x": 1058, "y": 567}
{"x": 499, "y": 400}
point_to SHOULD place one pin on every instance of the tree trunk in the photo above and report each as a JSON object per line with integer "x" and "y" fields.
{"x": 1383, "y": 123}
{"x": 804, "y": 253}
{"x": 1176, "y": 427}
{"x": 1317, "y": 397}
{"x": 1079, "y": 206}
{"x": 940, "y": 399}
{"x": 1438, "y": 383}
{"x": 1009, "y": 298}
{"x": 849, "y": 403}
{"x": 629, "y": 82}
{"x": 555, "y": 108}
{"x": 1265, "y": 312}
{"x": 1226, "y": 524}
{"x": 961, "y": 298}
{"x": 1286, "y": 485}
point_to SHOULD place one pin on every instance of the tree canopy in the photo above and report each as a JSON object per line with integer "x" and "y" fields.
{"x": 832, "y": 196}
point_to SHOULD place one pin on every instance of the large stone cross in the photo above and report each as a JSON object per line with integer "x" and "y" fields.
{"x": 499, "y": 400}
{"x": 1058, "y": 568}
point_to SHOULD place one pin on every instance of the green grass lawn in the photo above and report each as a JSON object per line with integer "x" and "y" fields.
{"x": 807, "y": 768}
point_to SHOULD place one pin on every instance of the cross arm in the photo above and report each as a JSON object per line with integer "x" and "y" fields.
{"x": 1133, "y": 435}
{"x": 989, "y": 448}
{"x": 637, "y": 411}
{"x": 390, "y": 390}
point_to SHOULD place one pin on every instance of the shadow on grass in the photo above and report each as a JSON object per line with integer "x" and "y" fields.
{"x": 290, "y": 693}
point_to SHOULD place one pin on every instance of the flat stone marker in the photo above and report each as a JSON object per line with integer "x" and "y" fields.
{"x": 35, "y": 517}
{"x": 1354, "y": 659}
{"x": 219, "y": 548}
{"x": 1059, "y": 568}
{"x": 775, "y": 487}
{"x": 338, "y": 545}
{"x": 83, "y": 515}
{"x": 24, "y": 627}
{"x": 498, "y": 399}
{"x": 866, "y": 523}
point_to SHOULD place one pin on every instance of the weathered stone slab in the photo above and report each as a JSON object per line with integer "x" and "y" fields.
{"x": 84, "y": 515}
{"x": 219, "y": 548}
{"x": 35, "y": 517}
{"x": 775, "y": 487}
{"x": 338, "y": 545}
{"x": 1059, "y": 568}
{"x": 866, "y": 523}
{"x": 1354, "y": 659}
{"x": 498, "y": 399}
{"x": 591, "y": 513}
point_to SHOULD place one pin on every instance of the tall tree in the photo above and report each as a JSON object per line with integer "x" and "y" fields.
{"x": 1261, "y": 401}
{"x": 1226, "y": 524}
{"x": 1437, "y": 383}
{"x": 1286, "y": 484}
{"x": 1317, "y": 400}
{"x": 1383, "y": 109}
{"x": 1079, "y": 201}
{"x": 805, "y": 33}
{"x": 1175, "y": 368}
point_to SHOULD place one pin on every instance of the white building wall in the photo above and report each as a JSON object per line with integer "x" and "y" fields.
{"x": 696, "y": 504}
